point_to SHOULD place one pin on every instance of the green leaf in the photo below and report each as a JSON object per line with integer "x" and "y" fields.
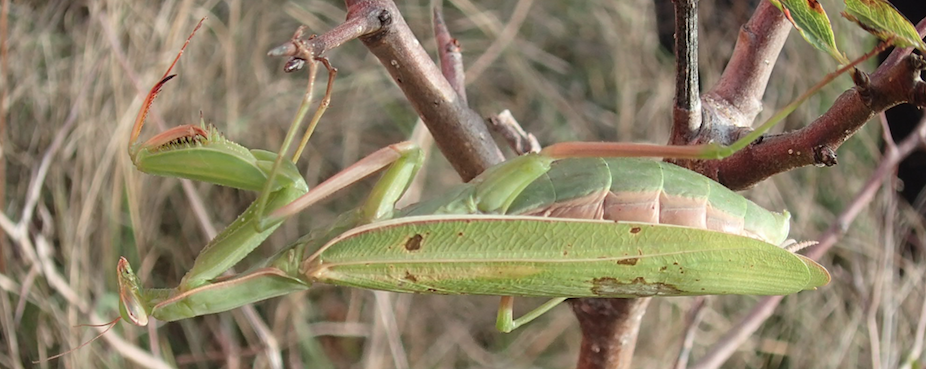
{"x": 810, "y": 20}
{"x": 882, "y": 19}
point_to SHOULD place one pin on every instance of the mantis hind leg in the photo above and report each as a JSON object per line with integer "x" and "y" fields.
{"x": 506, "y": 322}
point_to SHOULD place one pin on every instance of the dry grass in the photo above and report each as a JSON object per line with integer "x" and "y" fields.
{"x": 582, "y": 70}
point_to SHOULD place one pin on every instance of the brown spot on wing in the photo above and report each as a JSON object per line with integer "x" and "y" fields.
{"x": 414, "y": 243}
{"x": 639, "y": 286}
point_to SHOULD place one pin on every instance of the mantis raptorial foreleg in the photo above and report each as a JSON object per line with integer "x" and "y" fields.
{"x": 506, "y": 322}
{"x": 201, "y": 294}
{"x": 201, "y": 153}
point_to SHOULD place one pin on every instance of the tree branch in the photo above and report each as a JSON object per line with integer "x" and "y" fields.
{"x": 725, "y": 347}
{"x": 817, "y": 142}
{"x": 610, "y": 326}
{"x": 736, "y": 100}
{"x": 686, "y": 115}
{"x": 609, "y": 330}
{"x": 459, "y": 132}
{"x": 451, "y": 57}
{"x": 893, "y": 155}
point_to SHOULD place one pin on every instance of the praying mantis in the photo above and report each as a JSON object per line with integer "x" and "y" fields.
{"x": 571, "y": 221}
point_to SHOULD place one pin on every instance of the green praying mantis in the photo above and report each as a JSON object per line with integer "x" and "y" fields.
{"x": 574, "y": 220}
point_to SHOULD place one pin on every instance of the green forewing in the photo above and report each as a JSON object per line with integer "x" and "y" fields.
{"x": 532, "y": 256}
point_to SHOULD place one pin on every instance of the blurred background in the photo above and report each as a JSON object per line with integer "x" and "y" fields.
{"x": 76, "y": 72}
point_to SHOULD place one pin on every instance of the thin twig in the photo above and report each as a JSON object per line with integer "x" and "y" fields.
{"x": 387, "y": 315}
{"x": 518, "y": 140}
{"x": 449, "y": 51}
{"x": 917, "y": 348}
{"x": 692, "y": 319}
{"x": 892, "y": 83}
{"x": 4, "y": 91}
{"x": 686, "y": 113}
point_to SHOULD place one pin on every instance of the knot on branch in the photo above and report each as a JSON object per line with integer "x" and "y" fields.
{"x": 917, "y": 64}
{"x": 824, "y": 156}
{"x": 863, "y": 82}
{"x": 385, "y": 18}
{"x": 382, "y": 20}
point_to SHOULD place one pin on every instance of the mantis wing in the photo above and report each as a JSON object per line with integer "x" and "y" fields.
{"x": 556, "y": 257}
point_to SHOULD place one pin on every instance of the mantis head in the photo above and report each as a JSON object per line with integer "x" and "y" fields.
{"x": 133, "y": 305}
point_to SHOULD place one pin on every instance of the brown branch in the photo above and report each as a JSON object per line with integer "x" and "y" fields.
{"x": 518, "y": 140}
{"x": 736, "y": 100}
{"x": 610, "y": 327}
{"x": 686, "y": 114}
{"x": 355, "y": 26}
{"x": 458, "y": 131}
{"x": 892, "y": 83}
{"x": 817, "y": 143}
{"x": 451, "y": 57}
{"x": 609, "y": 330}
{"x": 730, "y": 107}
{"x": 893, "y": 155}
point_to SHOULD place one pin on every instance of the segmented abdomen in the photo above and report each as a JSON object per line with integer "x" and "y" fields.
{"x": 651, "y": 191}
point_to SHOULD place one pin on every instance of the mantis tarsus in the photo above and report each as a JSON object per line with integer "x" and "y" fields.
{"x": 567, "y": 222}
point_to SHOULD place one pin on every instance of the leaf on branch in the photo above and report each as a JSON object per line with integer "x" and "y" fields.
{"x": 810, "y": 20}
{"x": 882, "y": 19}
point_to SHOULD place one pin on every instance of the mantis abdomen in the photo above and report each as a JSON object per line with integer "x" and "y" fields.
{"x": 622, "y": 189}
{"x": 649, "y": 191}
